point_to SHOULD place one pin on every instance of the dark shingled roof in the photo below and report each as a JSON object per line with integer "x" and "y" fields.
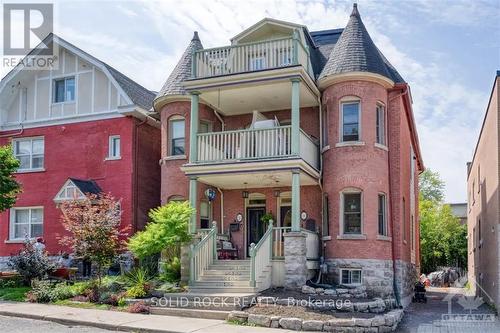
{"x": 182, "y": 71}
{"x": 86, "y": 186}
{"x": 355, "y": 51}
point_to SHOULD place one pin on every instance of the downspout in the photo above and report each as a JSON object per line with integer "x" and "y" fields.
{"x": 394, "y": 282}
{"x": 20, "y": 132}
{"x": 135, "y": 194}
{"x": 223, "y": 124}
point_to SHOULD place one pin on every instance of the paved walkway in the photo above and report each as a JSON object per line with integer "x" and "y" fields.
{"x": 445, "y": 312}
{"x": 23, "y": 325}
{"x": 123, "y": 321}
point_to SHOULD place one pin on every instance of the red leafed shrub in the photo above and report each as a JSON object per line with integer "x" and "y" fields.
{"x": 138, "y": 307}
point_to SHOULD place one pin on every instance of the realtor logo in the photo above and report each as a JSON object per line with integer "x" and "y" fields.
{"x": 25, "y": 25}
{"x": 25, "y": 28}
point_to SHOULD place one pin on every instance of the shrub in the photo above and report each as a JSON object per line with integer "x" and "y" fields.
{"x": 171, "y": 270}
{"x": 138, "y": 282}
{"x": 31, "y": 263}
{"x": 80, "y": 288}
{"x": 62, "y": 291}
{"x": 41, "y": 292}
{"x": 11, "y": 282}
{"x": 168, "y": 227}
{"x": 137, "y": 292}
{"x": 138, "y": 307}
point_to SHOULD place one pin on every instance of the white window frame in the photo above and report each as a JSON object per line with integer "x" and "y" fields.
{"x": 30, "y": 139}
{"x": 62, "y": 195}
{"x": 209, "y": 212}
{"x": 380, "y": 127}
{"x": 170, "y": 147}
{"x": 350, "y": 270}
{"x": 341, "y": 219}
{"x": 384, "y": 214}
{"x": 13, "y": 218}
{"x": 349, "y": 100}
{"x": 111, "y": 153}
{"x": 65, "y": 90}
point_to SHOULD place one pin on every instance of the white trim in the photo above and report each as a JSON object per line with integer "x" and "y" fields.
{"x": 379, "y": 146}
{"x": 342, "y": 235}
{"x": 30, "y": 139}
{"x": 109, "y": 95}
{"x": 385, "y": 215}
{"x": 35, "y": 96}
{"x": 12, "y": 219}
{"x": 92, "y": 98}
{"x": 68, "y": 182}
{"x": 111, "y": 153}
{"x": 63, "y": 61}
{"x": 384, "y": 123}
{"x": 349, "y": 144}
{"x": 51, "y": 97}
{"x": 75, "y": 118}
{"x": 349, "y": 100}
{"x": 20, "y": 116}
{"x": 169, "y": 134}
{"x": 350, "y": 278}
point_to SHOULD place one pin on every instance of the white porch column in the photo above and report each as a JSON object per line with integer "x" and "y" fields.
{"x": 295, "y": 200}
{"x": 193, "y": 196}
{"x": 193, "y": 127}
{"x": 295, "y": 116}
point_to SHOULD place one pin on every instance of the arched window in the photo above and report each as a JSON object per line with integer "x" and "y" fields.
{"x": 176, "y": 198}
{"x": 176, "y": 136}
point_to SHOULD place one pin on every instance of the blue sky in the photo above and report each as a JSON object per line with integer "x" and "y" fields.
{"x": 448, "y": 51}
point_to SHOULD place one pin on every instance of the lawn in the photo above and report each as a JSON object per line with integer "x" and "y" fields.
{"x": 13, "y": 293}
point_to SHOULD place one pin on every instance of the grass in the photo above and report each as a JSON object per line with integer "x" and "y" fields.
{"x": 83, "y": 305}
{"x": 14, "y": 294}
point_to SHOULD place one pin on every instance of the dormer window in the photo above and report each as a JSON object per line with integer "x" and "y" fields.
{"x": 76, "y": 189}
{"x": 64, "y": 90}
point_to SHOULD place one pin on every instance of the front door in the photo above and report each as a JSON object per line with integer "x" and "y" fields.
{"x": 256, "y": 227}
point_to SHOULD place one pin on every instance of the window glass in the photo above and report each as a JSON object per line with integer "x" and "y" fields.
{"x": 382, "y": 228}
{"x": 30, "y": 153}
{"x": 114, "y": 146}
{"x": 204, "y": 215}
{"x": 350, "y": 121}
{"x": 26, "y": 222}
{"x": 70, "y": 89}
{"x": 177, "y": 137}
{"x": 64, "y": 90}
{"x": 59, "y": 93}
{"x": 351, "y": 276}
{"x": 380, "y": 125}
{"x": 352, "y": 213}
{"x": 204, "y": 127}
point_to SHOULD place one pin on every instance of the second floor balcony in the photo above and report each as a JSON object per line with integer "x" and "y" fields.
{"x": 251, "y": 57}
{"x": 255, "y": 144}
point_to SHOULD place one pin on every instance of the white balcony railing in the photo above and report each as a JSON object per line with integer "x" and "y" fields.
{"x": 250, "y": 57}
{"x": 254, "y": 144}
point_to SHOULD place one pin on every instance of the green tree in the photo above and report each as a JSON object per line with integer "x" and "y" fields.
{"x": 9, "y": 187}
{"x": 431, "y": 186}
{"x": 168, "y": 228}
{"x": 443, "y": 239}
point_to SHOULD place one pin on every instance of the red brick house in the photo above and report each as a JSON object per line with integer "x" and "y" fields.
{"x": 81, "y": 128}
{"x": 313, "y": 127}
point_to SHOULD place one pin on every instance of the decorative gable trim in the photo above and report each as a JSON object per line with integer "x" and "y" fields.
{"x": 69, "y": 191}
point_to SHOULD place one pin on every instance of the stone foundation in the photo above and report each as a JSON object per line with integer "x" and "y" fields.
{"x": 296, "y": 272}
{"x": 377, "y": 276}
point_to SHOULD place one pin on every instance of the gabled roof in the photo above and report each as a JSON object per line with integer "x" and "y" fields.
{"x": 137, "y": 94}
{"x": 355, "y": 52}
{"x": 76, "y": 189}
{"x": 182, "y": 71}
{"x": 86, "y": 186}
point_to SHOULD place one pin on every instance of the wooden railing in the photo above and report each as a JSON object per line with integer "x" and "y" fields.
{"x": 278, "y": 241}
{"x": 260, "y": 260}
{"x": 250, "y": 144}
{"x": 203, "y": 254}
{"x": 250, "y": 57}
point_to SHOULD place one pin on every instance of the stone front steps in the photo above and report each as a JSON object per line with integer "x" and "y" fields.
{"x": 225, "y": 276}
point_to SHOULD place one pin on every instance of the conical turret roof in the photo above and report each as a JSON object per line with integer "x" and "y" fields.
{"x": 356, "y": 52}
{"x": 182, "y": 71}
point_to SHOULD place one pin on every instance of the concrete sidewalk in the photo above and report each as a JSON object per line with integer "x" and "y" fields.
{"x": 123, "y": 321}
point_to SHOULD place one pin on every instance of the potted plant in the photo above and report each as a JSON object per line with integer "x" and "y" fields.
{"x": 266, "y": 218}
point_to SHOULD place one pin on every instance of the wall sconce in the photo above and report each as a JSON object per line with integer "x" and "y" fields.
{"x": 277, "y": 193}
{"x": 244, "y": 194}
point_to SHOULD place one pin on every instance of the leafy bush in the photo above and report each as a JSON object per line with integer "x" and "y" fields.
{"x": 80, "y": 288}
{"x": 168, "y": 227}
{"x": 138, "y": 282}
{"x": 11, "y": 282}
{"x": 138, "y": 307}
{"x": 171, "y": 270}
{"x": 31, "y": 263}
{"x": 44, "y": 292}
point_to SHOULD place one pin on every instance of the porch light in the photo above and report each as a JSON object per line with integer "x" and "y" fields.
{"x": 277, "y": 193}
{"x": 244, "y": 194}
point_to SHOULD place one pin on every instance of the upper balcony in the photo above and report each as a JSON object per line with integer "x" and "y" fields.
{"x": 251, "y": 57}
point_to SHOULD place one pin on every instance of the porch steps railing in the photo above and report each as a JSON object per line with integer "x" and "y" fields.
{"x": 260, "y": 260}
{"x": 203, "y": 254}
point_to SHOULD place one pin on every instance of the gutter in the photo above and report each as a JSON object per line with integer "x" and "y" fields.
{"x": 139, "y": 113}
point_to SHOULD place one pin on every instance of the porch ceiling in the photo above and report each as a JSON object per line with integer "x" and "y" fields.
{"x": 255, "y": 180}
{"x": 262, "y": 91}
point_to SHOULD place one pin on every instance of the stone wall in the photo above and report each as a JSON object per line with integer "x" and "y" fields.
{"x": 406, "y": 276}
{"x": 376, "y": 274}
{"x": 295, "y": 260}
